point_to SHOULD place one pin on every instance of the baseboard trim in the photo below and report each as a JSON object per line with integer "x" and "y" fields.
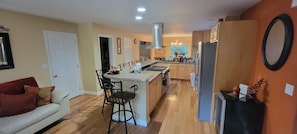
{"x": 93, "y": 92}
{"x": 139, "y": 122}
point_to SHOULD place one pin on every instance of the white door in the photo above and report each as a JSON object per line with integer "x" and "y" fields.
{"x": 128, "y": 50}
{"x": 63, "y": 61}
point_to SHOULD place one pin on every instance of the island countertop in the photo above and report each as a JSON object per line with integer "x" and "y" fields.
{"x": 125, "y": 73}
{"x": 143, "y": 76}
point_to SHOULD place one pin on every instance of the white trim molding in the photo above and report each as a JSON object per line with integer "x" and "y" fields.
{"x": 93, "y": 92}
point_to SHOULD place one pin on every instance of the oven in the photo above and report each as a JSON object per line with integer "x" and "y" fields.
{"x": 165, "y": 81}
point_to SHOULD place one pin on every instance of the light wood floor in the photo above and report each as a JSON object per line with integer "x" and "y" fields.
{"x": 174, "y": 114}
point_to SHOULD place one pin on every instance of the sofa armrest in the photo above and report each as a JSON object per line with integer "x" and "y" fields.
{"x": 58, "y": 96}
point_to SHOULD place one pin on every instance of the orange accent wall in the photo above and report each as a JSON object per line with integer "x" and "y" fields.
{"x": 281, "y": 109}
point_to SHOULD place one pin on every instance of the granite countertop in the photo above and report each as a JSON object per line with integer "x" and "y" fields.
{"x": 143, "y": 76}
{"x": 126, "y": 74}
{"x": 173, "y": 62}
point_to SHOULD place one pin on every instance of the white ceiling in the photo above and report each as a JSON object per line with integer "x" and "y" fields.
{"x": 179, "y": 16}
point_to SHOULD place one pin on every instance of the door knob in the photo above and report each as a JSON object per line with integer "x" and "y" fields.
{"x": 55, "y": 76}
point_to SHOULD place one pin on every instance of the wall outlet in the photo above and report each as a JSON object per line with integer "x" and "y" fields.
{"x": 289, "y": 89}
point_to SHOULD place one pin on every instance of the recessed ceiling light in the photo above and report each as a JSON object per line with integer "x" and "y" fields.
{"x": 141, "y": 9}
{"x": 138, "y": 18}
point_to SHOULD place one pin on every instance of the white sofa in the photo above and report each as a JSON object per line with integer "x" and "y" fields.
{"x": 33, "y": 121}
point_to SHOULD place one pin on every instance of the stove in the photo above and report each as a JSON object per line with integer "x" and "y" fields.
{"x": 164, "y": 69}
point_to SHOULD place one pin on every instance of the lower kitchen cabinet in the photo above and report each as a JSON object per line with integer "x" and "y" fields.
{"x": 173, "y": 70}
{"x": 184, "y": 71}
{"x": 155, "y": 91}
{"x": 181, "y": 71}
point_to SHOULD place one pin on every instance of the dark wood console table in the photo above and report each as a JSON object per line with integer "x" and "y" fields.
{"x": 241, "y": 117}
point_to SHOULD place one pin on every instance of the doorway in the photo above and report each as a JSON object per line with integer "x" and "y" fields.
{"x": 63, "y": 61}
{"x": 105, "y": 56}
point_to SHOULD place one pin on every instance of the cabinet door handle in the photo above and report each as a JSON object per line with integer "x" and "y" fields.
{"x": 55, "y": 76}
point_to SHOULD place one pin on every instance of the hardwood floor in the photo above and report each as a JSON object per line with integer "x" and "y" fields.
{"x": 174, "y": 114}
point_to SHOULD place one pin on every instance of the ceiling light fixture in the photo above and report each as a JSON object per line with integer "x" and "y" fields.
{"x": 138, "y": 18}
{"x": 141, "y": 9}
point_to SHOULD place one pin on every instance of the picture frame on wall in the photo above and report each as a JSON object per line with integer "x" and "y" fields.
{"x": 6, "y": 59}
{"x": 119, "y": 50}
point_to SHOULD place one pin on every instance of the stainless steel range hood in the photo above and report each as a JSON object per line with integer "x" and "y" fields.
{"x": 157, "y": 36}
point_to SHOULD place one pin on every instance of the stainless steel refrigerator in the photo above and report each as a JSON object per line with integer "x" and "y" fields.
{"x": 205, "y": 65}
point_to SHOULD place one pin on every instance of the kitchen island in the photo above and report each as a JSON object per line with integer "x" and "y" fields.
{"x": 148, "y": 93}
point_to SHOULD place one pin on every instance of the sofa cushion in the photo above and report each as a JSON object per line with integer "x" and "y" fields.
{"x": 16, "y": 104}
{"x": 17, "y": 86}
{"x": 13, "y": 124}
{"x": 43, "y": 95}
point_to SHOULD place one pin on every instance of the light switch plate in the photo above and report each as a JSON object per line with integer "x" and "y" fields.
{"x": 289, "y": 89}
{"x": 294, "y": 4}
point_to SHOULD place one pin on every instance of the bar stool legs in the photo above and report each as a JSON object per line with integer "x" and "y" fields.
{"x": 132, "y": 113}
{"x": 125, "y": 119}
{"x": 104, "y": 101}
{"x": 110, "y": 118}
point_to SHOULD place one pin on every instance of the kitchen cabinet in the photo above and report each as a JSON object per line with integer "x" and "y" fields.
{"x": 155, "y": 91}
{"x": 181, "y": 70}
{"x": 214, "y": 34}
{"x": 160, "y": 52}
{"x": 198, "y": 36}
{"x": 235, "y": 55}
{"x": 173, "y": 70}
{"x": 184, "y": 71}
{"x": 206, "y": 36}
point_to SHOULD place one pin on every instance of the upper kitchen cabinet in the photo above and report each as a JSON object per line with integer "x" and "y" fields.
{"x": 200, "y": 36}
{"x": 206, "y": 35}
{"x": 236, "y": 47}
{"x": 214, "y": 33}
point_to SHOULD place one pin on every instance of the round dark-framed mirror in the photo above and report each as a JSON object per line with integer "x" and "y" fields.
{"x": 277, "y": 42}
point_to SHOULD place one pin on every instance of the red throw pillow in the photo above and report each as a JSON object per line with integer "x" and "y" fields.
{"x": 43, "y": 95}
{"x": 16, "y": 104}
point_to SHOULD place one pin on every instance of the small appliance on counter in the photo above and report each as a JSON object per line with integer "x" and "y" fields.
{"x": 137, "y": 68}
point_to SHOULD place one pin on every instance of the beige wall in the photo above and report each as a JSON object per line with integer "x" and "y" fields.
{"x": 90, "y": 55}
{"x": 87, "y": 59}
{"x": 28, "y": 45}
{"x": 29, "y": 53}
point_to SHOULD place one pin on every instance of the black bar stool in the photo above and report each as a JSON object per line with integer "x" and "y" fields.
{"x": 116, "y": 95}
{"x": 100, "y": 76}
